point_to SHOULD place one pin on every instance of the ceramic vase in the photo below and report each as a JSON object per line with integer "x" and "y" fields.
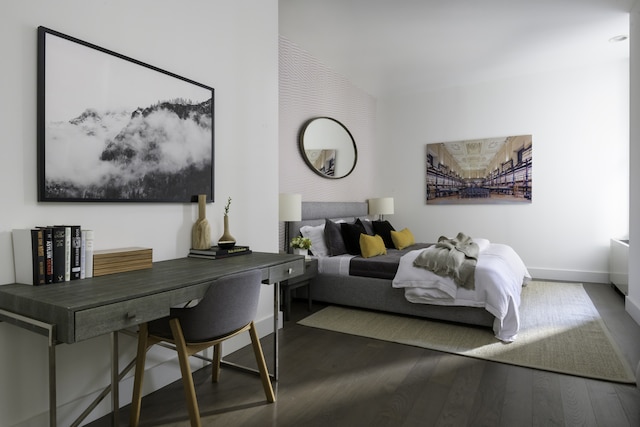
{"x": 201, "y": 233}
{"x": 226, "y": 241}
{"x": 300, "y": 251}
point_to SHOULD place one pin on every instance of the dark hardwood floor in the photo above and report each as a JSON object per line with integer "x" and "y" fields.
{"x": 333, "y": 379}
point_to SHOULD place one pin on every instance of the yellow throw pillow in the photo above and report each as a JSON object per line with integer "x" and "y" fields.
{"x": 403, "y": 238}
{"x": 371, "y": 246}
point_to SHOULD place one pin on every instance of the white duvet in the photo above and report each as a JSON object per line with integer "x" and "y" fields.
{"x": 499, "y": 277}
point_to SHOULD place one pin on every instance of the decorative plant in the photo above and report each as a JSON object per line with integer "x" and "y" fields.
{"x": 300, "y": 242}
{"x": 226, "y": 208}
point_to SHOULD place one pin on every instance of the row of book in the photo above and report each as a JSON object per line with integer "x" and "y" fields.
{"x": 55, "y": 254}
{"x": 216, "y": 252}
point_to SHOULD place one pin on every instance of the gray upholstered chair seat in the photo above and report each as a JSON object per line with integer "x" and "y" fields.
{"x": 228, "y": 308}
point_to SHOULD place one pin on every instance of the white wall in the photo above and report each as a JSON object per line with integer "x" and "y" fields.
{"x": 308, "y": 89}
{"x": 229, "y": 45}
{"x": 633, "y": 300}
{"x": 579, "y": 120}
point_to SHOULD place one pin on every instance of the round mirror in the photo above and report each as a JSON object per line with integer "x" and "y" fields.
{"x": 328, "y": 147}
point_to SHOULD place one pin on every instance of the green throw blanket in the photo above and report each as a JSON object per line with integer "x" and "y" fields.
{"x": 455, "y": 258}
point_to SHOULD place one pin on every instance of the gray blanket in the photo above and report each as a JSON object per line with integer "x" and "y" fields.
{"x": 455, "y": 258}
{"x": 382, "y": 266}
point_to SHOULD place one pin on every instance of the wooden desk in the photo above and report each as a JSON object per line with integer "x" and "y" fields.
{"x": 78, "y": 310}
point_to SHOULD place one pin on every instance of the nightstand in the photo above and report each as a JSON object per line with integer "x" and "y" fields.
{"x": 306, "y": 279}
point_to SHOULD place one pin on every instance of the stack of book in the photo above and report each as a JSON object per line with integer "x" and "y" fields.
{"x": 110, "y": 261}
{"x": 52, "y": 254}
{"x": 215, "y": 252}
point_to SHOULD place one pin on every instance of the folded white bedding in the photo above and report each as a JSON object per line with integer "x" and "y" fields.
{"x": 499, "y": 277}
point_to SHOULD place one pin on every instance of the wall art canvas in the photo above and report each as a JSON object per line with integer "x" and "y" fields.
{"x": 491, "y": 170}
{"x": 114, "y": 129}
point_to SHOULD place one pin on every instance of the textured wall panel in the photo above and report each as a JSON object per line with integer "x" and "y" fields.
{"x": 309, "y": 89}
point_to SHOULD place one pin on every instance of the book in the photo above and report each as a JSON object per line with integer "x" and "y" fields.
{"x": 37, "y": 241}
{"x": 28, "y": 256}
{"x": 67, "y": 252}
{"x": 83, "y": 259}
{"x": 227, "y": 255}
{"x": 75, "y": 251}
{"x": 47, "y": 233}
{"x": 86, "y": 259}
{"x": 22, "y": 256}
{"x": 217, "y": 251}
{"x": 58, "y": 254}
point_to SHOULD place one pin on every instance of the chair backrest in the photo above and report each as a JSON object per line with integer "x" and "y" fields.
{"x": 230, "y": 303}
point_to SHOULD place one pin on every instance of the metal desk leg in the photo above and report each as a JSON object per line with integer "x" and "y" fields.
{"x": 115, "y": 381}
{"x": 276, "y": 311}
{"x": 49, "y": 331}
{"x": 52, "y": 382}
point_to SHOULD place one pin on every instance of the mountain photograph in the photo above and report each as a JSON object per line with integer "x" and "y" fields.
{"x": 161, "y": 152}
{"x": 111, "y": 128}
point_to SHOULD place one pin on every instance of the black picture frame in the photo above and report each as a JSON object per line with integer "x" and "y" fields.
{"x": 114, "y": 129}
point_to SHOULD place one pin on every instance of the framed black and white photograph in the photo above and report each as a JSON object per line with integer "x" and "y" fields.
{"x": 480, "y": 171}
{"x": 114, "y": 129}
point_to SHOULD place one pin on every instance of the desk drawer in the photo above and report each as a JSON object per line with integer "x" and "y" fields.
{"x": 286, "y": 271}
{"x": 113, "y": 317}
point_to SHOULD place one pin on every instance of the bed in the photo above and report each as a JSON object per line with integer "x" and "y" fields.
{"x": 384, "y": 288}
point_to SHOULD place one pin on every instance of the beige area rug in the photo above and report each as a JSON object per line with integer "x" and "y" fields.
{"x": 561, "y": 331}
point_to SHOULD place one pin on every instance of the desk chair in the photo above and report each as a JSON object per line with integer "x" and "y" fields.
{"x": 228, "y": 308}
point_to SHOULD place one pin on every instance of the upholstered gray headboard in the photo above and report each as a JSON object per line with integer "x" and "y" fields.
{"x": 315, "y": 213}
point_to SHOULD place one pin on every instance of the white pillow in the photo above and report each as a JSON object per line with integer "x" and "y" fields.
{"x": 482, "y": 243}
{"x": 316, "y": 234}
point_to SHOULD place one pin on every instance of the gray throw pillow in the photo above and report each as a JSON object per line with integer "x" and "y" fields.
{"x": 333, "y": 238}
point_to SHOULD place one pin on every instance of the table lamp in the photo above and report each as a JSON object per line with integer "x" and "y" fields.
{"x": 290, "y": 209}
{"x": 381, "y": 206}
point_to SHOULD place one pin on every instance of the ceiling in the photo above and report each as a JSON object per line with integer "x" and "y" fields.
{"x": 397, "y": 46}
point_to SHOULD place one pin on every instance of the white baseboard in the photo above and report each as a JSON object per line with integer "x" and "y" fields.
{"x": 569, "y": 275}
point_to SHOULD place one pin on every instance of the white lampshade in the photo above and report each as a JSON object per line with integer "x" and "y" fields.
{"x": 290, "y": 207}
{"x": 381, "y": 206}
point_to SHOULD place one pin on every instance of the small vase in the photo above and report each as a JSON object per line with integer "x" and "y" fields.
{"x": 201, "y": 233}
{"x": 226, "y": 241}
{"x": 300, "y": 251}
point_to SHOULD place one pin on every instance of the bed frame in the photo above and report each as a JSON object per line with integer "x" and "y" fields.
{"x": 373, "y": 294}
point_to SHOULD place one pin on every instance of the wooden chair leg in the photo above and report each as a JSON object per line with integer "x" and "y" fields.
{"x": 187, "y": 379}
{"x": 215, "y": 368}
{"x": 136, "y": 399}
{"x": 262, "y": 365}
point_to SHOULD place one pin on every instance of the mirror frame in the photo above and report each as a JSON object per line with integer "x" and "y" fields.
{"x": 306, "y": 159}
